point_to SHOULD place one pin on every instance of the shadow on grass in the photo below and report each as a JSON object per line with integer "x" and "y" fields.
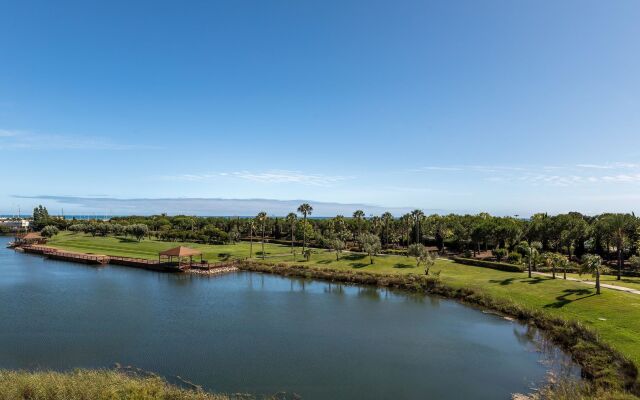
{"x": 324, "y": 262}
{"x": 359, "y": 265}
{"x": 224, "y": 256}
{"x": 563, "y": 299}
{"x": 403, "y": 265}
{"x": 354, "y": 257}
{"x": 536, "y": 280}
{"x": 503, "y": 282}
{"x": 128, "y": 240}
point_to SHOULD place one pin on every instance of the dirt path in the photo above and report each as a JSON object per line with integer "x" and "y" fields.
{"x": 590, "y": 283}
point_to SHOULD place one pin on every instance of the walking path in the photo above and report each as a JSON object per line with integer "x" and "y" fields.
{"x": 603, "y": 285}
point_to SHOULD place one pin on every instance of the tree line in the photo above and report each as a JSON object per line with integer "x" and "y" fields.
{"x": 615, "y": 237}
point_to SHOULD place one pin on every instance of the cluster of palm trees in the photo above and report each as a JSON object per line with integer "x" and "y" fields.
{"x": 613, "y": 237}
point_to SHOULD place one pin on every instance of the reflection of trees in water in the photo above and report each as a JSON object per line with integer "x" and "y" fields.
{"x": 369, "y": 292}
{"x": 551, "y": 356}
{"x": 334, "y": 288}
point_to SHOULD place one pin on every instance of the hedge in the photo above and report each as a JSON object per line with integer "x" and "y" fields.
{"x": 489, "y": 264}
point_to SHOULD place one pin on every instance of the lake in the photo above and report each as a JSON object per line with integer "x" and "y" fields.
{"x": 262, "y": 334}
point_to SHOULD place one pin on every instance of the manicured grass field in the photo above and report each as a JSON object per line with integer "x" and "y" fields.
{"x": 128, "y": 247}
{"x": 614, "y": 315}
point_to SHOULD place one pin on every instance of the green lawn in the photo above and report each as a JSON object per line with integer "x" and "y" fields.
{"x": 614, "y": 315}
{"x": 128, "y": 247}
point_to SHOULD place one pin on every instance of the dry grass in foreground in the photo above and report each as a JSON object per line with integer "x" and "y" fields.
{"x": 92, "y": 385}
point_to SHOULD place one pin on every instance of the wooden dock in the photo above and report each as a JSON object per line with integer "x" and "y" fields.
{"x": 142, "y": 263}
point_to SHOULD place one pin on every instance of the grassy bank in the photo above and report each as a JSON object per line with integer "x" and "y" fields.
{"x": 92, "y": 385}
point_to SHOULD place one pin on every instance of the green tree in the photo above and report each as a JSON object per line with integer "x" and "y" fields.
{"x": 262, "y": 220}
{"x": 234, "y": 235}
{"x": 531, "y": 252}
{"x": 422, "y": 256}
{"x": 305, "y": 209}
{"x": 40, "y": 217}
{"x": 338, "y": 246}
{"x": 407, "y": 222}
{"x": 358, "y": 215}
{"x": 619, "y": 227}
{"x": 387, "y": 220}
{"x": 291, "y": 220}
{"x": 138, "y": 231}
{"x": 417, "y": 216}
{"x": 49, "y": 231}
{"x": 592, "y": 264}
{"x": 370, "y": 244}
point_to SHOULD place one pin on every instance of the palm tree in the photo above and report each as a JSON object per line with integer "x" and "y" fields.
{"x": 304, "y": 209}
{"x": 618, "y": 226}
{"x": 592, "y": 263}
{"x": 531, "y": 250}
{"x": 358, "y": 215}
{"x": 291, "y": 220}
{"x": 406, "y": 223}
{"x": 417, "y": 217}
{"x": 387, "y": 219}
{"x": 250, "y": 238}
{"x": 262, "y": 219}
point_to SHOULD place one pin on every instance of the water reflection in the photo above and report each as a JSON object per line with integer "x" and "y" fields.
{"x": 262, "y": 334}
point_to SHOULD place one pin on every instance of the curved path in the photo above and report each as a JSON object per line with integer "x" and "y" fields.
{"x": 602, "y": 285}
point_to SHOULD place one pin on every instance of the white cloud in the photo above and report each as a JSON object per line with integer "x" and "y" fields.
{"x": 271, "y": 176}
{"x": 21, "y": 140}
{"x": 552, "y": 175}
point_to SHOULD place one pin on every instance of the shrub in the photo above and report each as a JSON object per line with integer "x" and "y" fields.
{"x": 499, "y": 254}
{"x": 489, "y": 264}
{"x": 514, "y": 258}
{"x": 49, "y": 231}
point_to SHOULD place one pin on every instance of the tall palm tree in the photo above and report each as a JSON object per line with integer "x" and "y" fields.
{"x": 387, "y": 219}
{"x": 417, "y": 216}
{"x": 406, "y": 223}
{"x": 358, "y": 215}
{"x": 304, "y": 209}
{"x": 619, "y": 226}
{"x": 262, "y": 219}
{"x": 291, "y": 220}
{"x": 251, "y": 238}
{"x": 592, "y": 264}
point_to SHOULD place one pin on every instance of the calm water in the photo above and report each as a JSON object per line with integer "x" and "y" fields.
{"x": 260, "y": 334}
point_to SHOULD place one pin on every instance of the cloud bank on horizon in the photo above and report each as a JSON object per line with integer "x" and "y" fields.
{"x": 200, "y": 206}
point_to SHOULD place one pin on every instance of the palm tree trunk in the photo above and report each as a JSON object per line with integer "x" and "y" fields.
{"x": 263, "y": 241}
{"x": 619, "y": 259}
{"x": 530, "y": 255}
{"x": 304, "y": 233}
{"x": 597, "y": 281}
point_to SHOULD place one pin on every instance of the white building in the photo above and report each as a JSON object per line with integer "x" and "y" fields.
{"x": 15, "y": 224}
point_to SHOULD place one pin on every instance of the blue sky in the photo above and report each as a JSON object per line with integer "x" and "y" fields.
{"x": 510, "y": 107}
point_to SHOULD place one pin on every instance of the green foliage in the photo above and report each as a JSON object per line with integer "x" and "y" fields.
{"x": 49, "y": 231}
{"x": 514, "y": 258}
{"x": 138, "y": 230}
{"x": 499, "y": 253}
{"x": 422, "y": 256}
{"x": 488, "y": 264}
{"x": 338, "y": 246}
{"x": 41, "y": 217}
{"x": 370, "y": 244}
